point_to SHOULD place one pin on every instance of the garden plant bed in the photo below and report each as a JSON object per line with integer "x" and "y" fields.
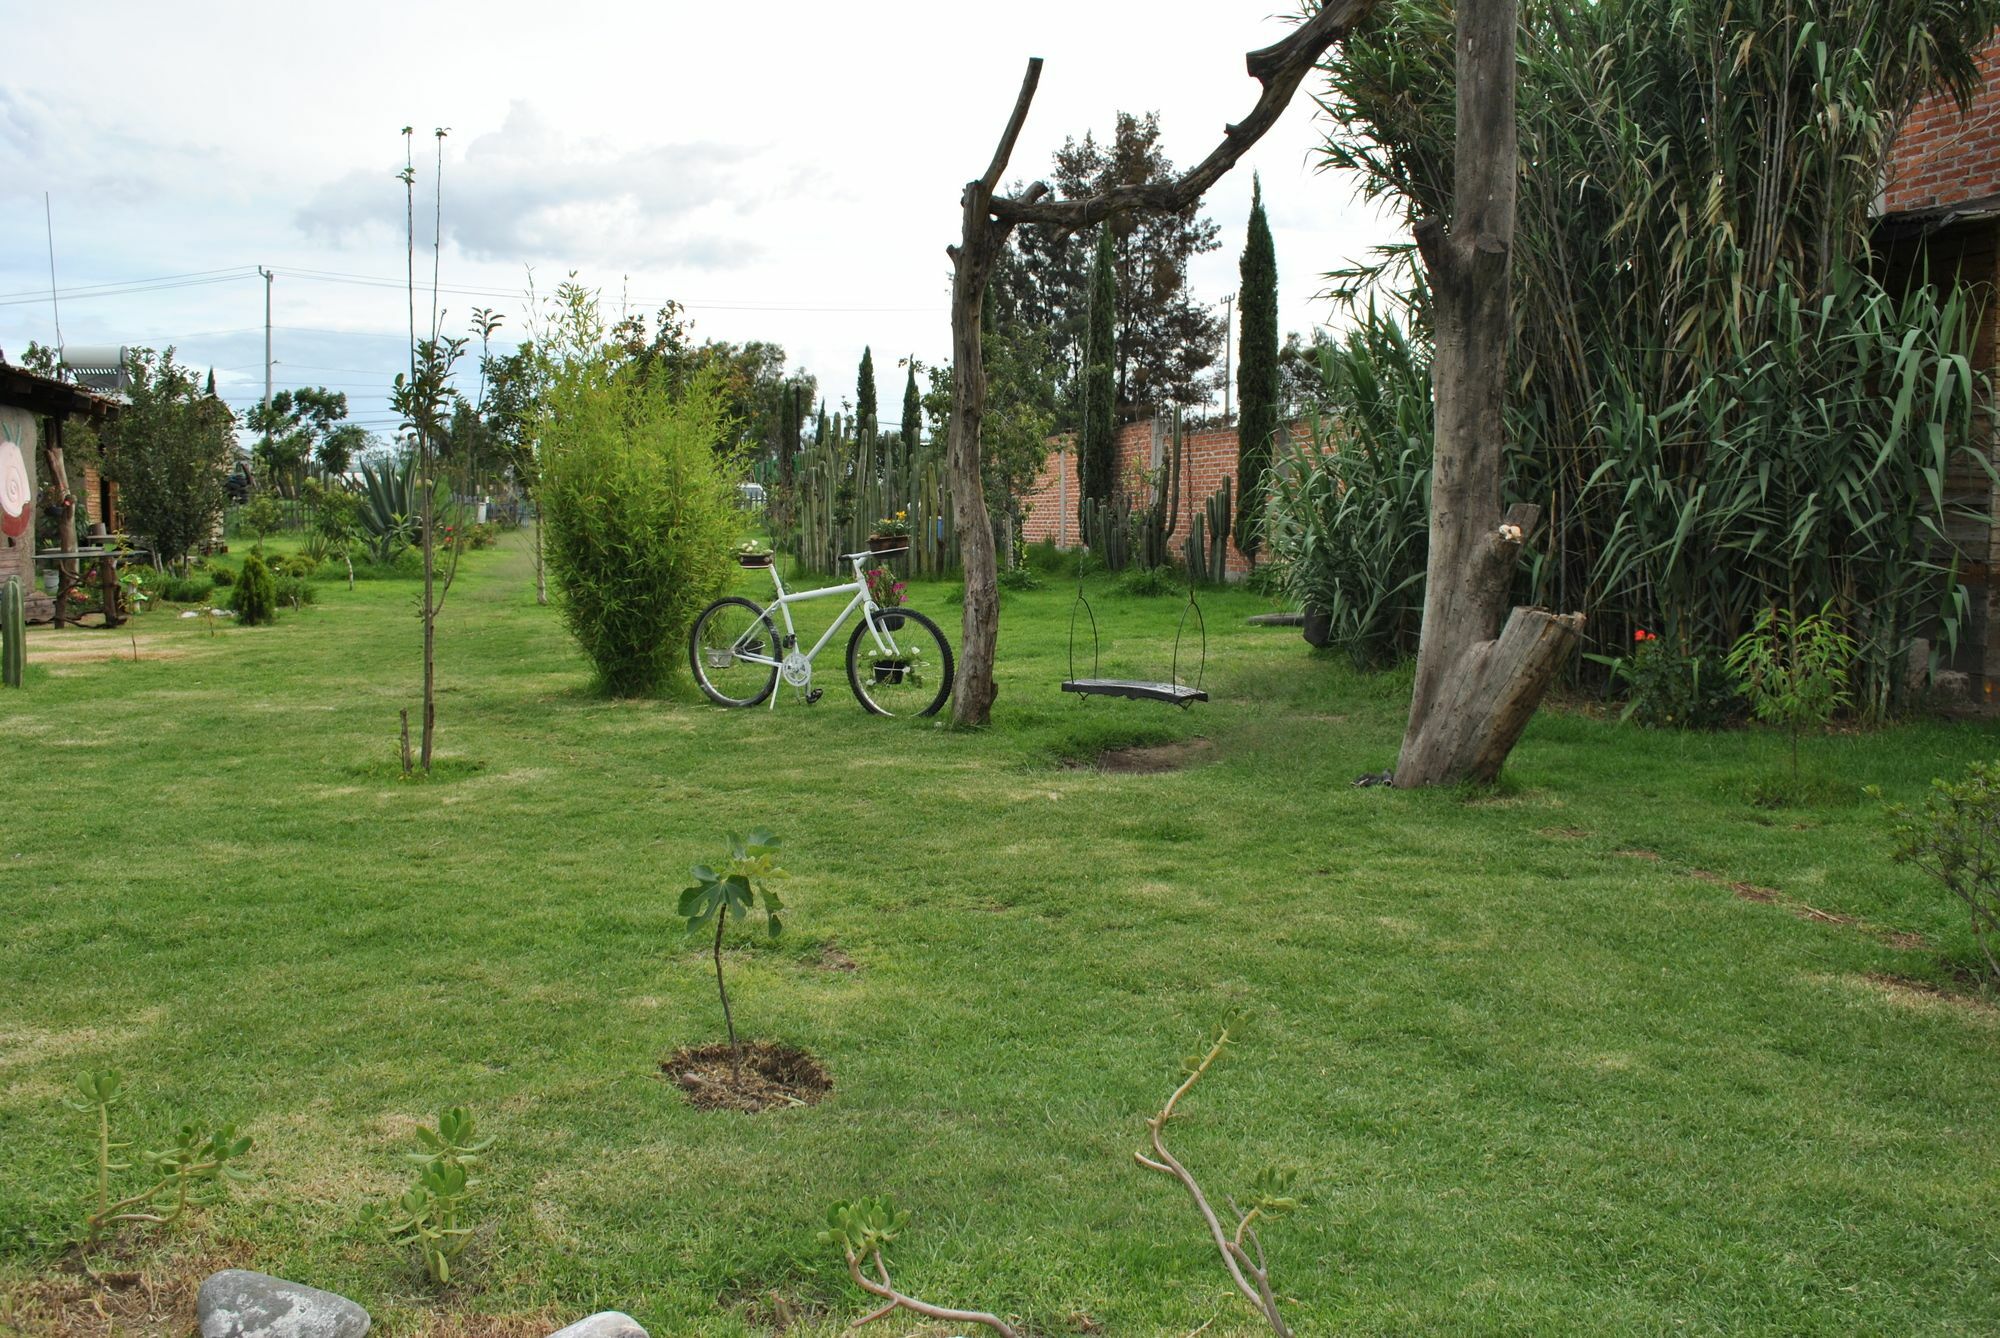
{"x": 766, "y": 1076}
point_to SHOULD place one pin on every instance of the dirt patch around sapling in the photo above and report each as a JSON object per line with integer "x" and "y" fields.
{"x": 768, "y": 1076}
{"x": 833, "y": 958}
{"x": 1151, "y": 759}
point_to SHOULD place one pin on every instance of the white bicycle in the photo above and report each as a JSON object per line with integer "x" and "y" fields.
{"x": 898, "y": 662}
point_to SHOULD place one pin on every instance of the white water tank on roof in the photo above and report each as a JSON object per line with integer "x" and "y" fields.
{"x": 98, "y": 366}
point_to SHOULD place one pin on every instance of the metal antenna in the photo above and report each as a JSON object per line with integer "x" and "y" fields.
{"x": 48, "y": 220}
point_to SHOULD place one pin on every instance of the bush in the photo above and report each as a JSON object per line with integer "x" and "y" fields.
{"x": 222, "y": 576}
{"x": 298, "y": 565}
{"x": 186, "y": 589}
{"x": 1349, "y": 524}
{"x": 1151, "y": 582}
{"x": 255, "y": 598}
{"x": 1955, "y": 838}
{"x": 294, "y": 591}
{"x": 1043, "y": 556}
{"x": 1675, "y": 688}
{"x": 1019, "y": 578}
{"x": 639, "y": 513}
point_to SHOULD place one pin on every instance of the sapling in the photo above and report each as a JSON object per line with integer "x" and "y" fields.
{"x": 1273, "y": 1194}
{"x": 432, "y": 1209}
{"x": 859, "y": 1230}
{"x": 1794, "y": 668}
{"x": 735, "y": 890}
{"x": 194, "y": 1159}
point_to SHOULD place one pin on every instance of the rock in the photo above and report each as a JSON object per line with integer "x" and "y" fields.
{"x": 1952, "y": 687}
{"x": 237, "y": 1303}
{"x": 603, "y": 1324}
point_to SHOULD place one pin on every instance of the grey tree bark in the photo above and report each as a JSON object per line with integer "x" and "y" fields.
{"x": 1477, "y": 684}
{"x": 987, "y": 219}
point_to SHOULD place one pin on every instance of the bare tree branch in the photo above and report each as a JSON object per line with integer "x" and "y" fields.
{"x": 897, "y": 1300}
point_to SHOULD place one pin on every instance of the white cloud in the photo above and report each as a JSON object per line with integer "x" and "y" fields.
{"x": 528, "y": 191}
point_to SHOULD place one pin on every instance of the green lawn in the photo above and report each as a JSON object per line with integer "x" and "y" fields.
{"x": 1547, "y": 1071}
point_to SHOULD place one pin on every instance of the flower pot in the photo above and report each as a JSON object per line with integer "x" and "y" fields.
{"x": 1318, "y": 628}
{"x": 888, "y": 543}
{"x": 891, "y": 671}
{"x": 753, "y": 559}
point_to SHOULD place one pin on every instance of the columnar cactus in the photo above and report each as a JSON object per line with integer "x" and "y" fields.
{"x": 13, "y": 635}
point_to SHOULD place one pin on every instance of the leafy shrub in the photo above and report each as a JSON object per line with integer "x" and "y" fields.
{"x": 1795, "y": 670}
{"x": 1955, "y": 838}
{"x": 639, "y": 512}
{"x": 1043, "y": 556}
{"x": 432, "y": 1211}
{"x": 186, "y": 589}
{"x": 261, "y": 516}
{"x": 1151, "y": 582}
{"x": 222, "y": 576}
{"x": 255, "y": 598}
{"x": 294, "y": 591}
{"x": 297, "y": 565}
{"x": 1674, "y": 688}
{"x": 1349, "y": 523}
{"x": 1020, "y": 578}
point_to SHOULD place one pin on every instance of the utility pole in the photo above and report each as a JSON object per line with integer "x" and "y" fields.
{"x": 1228, "y": 316}
{"x": 268, "y": 276}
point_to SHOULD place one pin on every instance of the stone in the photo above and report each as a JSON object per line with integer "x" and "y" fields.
{"x": 603, "y": 1324}
{"x": 237, "y": 1303}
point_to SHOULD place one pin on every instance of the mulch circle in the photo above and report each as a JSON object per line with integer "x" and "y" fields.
{"x": 768, "y": 1076}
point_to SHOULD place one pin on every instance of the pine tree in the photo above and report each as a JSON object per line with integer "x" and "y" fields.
{"x": 864, "y": 393}
{"x": 1256, "y": 372}
{"x": 1097, "y": 452}
{"x": 913, "y": 410}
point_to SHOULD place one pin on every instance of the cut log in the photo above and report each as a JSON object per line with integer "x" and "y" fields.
{"x": 1481, "y": 708}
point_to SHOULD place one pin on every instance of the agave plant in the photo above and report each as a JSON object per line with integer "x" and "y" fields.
{"x": 390, "y": 508}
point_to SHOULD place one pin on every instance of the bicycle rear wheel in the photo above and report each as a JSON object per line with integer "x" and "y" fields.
{"x": 907, "y": 672}
{"x": 726, "y": 631}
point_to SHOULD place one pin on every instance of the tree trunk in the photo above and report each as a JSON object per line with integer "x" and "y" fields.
{"x": 1476, "y": 685}
{"x": 987, "y": 221}
{"x": 66, "y": 570}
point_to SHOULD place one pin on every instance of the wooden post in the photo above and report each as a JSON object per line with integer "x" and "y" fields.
{"x": 66, "y": 570}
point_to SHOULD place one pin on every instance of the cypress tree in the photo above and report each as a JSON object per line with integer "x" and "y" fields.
{"x": 864, "y": 393}
{"x": 1256, "y": 372}
{"x": 913, "y": 409}
{"x": 1097, "y": 452}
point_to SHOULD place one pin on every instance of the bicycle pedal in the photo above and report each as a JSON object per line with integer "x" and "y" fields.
{"x": 814, "y": 696}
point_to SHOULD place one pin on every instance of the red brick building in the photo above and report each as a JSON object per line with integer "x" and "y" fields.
{"x": 1941, "y": 218}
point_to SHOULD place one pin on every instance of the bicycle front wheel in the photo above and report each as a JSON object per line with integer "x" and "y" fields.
{"x": 726, "y": 632}
{"x": 902, "y": 668}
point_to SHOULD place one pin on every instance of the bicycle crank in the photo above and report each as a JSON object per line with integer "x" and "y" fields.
{"x": 796, "y": 669}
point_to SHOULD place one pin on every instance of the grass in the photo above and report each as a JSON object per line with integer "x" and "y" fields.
{"x": 1547, "y": 1071}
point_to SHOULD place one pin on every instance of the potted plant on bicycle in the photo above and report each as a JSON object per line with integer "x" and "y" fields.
{"x": 753, "y": 553}
{"x": 891, "y": 534}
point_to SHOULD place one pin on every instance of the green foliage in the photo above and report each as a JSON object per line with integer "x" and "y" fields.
{"x": 1669, "y": 686}
{"x": 195, "y": 1163}
{"x": 1151, "y": 582}
{"x": 861, "y": 1227}
{"x": 1097, "y": 446}
{"x": 194, "y": 589}
{"x": 223, "y": 576}
{"x": 1955, "y": 838}
{"x": 388, "y": 507}
{"x": 263, "y": 517}
{"x": 170, "y": 449}
{"x": 639, "y": 515}
{"x": 1021, "y": 577}
{"x": 1795, "y": 669}
{"x": 431, "y": 1214}
{"x": 292, "y": 590}
{"x": 1349, "y": 520}
{"x": 1256, "y": 370}
{"x": 255, "y": 596}
{"x": 734, "y": 890}
{"x": 864, "y": 393}
{"x": 1715, "y": 403}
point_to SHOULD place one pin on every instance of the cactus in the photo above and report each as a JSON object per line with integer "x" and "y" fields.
{"x": 1207, "y": 548}
{"x": 13, "y": 635}
{"x": 880, "y": 477}
{"x": 1156, "y": 522}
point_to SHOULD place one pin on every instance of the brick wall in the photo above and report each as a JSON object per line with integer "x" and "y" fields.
{"x": 1945, "y": 157}
{"x": 1207, "y": 458}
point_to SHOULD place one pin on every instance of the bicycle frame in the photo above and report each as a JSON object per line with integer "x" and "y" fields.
{"x": 858, "y": 587}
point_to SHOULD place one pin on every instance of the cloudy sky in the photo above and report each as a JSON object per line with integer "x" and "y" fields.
{"x": 788, "y": 171}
